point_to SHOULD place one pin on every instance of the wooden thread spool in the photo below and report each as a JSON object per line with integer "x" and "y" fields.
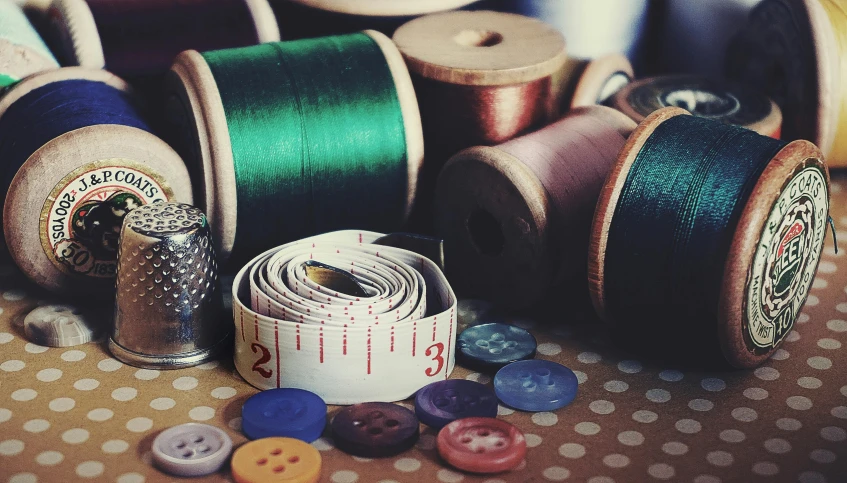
{"x": 481, "y": 78}
{"x": 22, "y": 51}
{"x": 788, "y": 50}
{"x": 316, "y": 18}
{"x": 724, "y": 102}
{"x": 196, "y": 112}
{"x": 588, "y": 82}
{"x": 516, "y": 217}
{"x": 92, "y": 34}
{"x": 110, "y": 167}
{"x": 764, "y": 234}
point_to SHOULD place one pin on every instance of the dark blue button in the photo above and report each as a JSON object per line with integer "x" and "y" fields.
{"x": 443, "y": 402}
{"x": 290, "y": 413}
{"x": 535, "y": 385}
{"x": 488, "y": 347}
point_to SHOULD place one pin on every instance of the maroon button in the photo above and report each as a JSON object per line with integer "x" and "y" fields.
{"x": 375, "y": 429}
{"x": 481, "y": 445}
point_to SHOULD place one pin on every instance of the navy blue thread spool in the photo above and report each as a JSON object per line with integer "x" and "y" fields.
{"x": 77, "y": 157}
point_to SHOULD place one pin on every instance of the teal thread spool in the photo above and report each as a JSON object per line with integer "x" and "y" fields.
{"x": 22, "y": 51}
{"x": 706, "y": 239}
{"x": 291, "y": 139}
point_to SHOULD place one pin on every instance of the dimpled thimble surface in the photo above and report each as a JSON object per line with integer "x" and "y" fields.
{"x": 168, "y": 311}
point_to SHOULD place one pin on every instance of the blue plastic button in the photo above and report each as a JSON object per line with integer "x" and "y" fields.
{"x": 289, "y": 413}
{"x": 440, "y": 403}
{"x": 488, "y": 347}
{"x": 535, "y": 385}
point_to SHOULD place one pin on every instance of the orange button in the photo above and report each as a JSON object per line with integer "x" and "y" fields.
{"x": 276, "y": 460}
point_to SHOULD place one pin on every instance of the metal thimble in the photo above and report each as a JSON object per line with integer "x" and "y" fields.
{"x": 168, "y": 311}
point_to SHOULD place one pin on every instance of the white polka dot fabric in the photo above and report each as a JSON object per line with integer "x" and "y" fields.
{"x": 69, "y": 414}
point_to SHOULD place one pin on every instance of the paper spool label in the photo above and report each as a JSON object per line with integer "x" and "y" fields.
{"x": 81, "y": 219}
{"x": 786, "y": 259}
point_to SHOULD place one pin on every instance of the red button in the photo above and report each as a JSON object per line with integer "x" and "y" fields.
{"x": 481, "y": 445}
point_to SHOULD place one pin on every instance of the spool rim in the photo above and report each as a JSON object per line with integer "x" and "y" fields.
{"x": 385, "y": 8}
{"x": 608, "y": 202}
{"x": 747, "y": 235}
{"x": 432, "y": 51}
{"x": 267, "y": 28}
{"x": 767, "y": 126}
{"x": 33, "y": 181}
{"x": 413, "y": 127}
{"x": 75, "y": 24}
{"x": 826, "y": 57}
{"x": 530, "y": 194}
{"x": 595, "y": 77}
{"x": 57, "y": 75}
{"x": 197, "y": 91}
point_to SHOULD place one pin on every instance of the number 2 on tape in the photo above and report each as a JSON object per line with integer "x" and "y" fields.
{"x": 265, "y": 358}
{"x": 438, "y": 357}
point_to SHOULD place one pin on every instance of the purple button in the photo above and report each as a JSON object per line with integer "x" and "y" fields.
{"x": 443, "y": 402}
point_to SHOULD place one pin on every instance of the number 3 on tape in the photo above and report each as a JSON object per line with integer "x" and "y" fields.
{"x": 291, "y": 331}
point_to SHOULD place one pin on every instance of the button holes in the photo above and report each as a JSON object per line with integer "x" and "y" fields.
{"x": 276, "y": 451}
{"x": 376, "y": 414}
{"x": 294, "y": 459}
{"x": 499, "y": 444}
{"x": 543, "y": 372}
{"x": 495, "y": 350}
{"x": 441, "y": 402}
{"x": 498, "y": 337}
{"x": 484, "y": 432}
{"x": 187, "y": 454}
{"x": 262, "y": 462}
{"x": 279, "y": 469}
{"x": 525, "y": 375}
{"x": 181, "y": 444}
{"x": 374, "y": 431}
{"x": 482, "y": 343}
{"x": 392, "y": 423}
{"x": 198, "y": 439}
{"x": 480, "y": 450}
{"x": 466, "y": 440}
{"x": 204, "y": 449}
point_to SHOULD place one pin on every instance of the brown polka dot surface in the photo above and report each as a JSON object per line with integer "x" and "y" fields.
{"x": 77, "y": 414}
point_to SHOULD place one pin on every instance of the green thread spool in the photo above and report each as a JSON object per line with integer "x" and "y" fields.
{"x": 706, "y": 239}
{"x": 291, "y": 139}
{"x": 22, "y": 51}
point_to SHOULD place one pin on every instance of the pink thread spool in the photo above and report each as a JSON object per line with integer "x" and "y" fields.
{"x": 516, "y": 217}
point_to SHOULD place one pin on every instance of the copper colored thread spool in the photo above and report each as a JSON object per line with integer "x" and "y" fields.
{"x": 481, "y": 78}
{"x": 516, "y": 217}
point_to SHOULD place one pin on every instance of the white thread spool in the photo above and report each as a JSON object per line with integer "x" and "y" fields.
{"x": 591, "y": 28}
{"x": 697, "y": 32}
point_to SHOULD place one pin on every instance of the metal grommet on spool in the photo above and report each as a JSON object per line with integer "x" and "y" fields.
{"x": 97, "y": 33}
{"x": 196, "y": 109}
{"x": 22, "y": 51}
{"x": 168, "y": 311}
{"x": 515, "y": 218}
{"x": 725, "y": 102}
{"x": 65, "y": 205}
{"x": 788, "y": 49}
{"x": 774, "y": 200}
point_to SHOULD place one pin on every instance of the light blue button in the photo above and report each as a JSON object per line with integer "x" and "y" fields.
{"x": 535, "y": 385}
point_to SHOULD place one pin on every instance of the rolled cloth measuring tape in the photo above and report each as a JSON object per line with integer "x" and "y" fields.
{"x": 516, "y": 217}
{"x": 314, "y": 18}
{"x": 721, "y": 101}
{"x": 593, "y": 29}
{"x": 77, "y": 157}
{"x": 796, "y": 52}
{"x": 695, "y": 35}
{"x": 347, "y": 153}
{"x": 22, "y": 51}
{"x": 482, "y": 78}
{"x": 140, "y": 38}
{"x": 383, "y": 344}
{"x": 706, "y": 239}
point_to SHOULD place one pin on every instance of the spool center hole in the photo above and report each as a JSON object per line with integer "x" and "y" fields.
{"x": 703, "y": 103}
{"x": 478, "y": 38}
{"x": 486, "y": 233}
